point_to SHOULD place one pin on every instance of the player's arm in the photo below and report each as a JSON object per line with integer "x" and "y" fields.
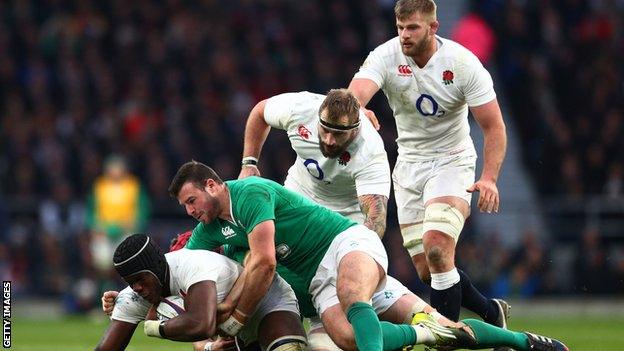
{"x": 117, "y": 336}
{"x": 375, "y": 208}
{"x": 199, "y": 320}
{"x": 226, "y": 307}
{"x": 490, "y": 120}
{"x": 364, "y": 89}
{"x": 256, "y": 132}
{"x": 259, "y": 267}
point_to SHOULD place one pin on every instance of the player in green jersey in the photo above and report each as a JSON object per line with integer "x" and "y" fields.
{"x": 341, "y": 263}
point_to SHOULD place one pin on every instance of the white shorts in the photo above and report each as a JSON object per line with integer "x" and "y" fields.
{"x": 415, "y": 183}
{"x": 382, "y": 300}
{"x": 356, "y": 238}
{"x": 280, "y": 297}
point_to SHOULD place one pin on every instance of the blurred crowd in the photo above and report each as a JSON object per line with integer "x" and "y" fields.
{"x": 153, "y": 84}
{"x": 561, "y": 64}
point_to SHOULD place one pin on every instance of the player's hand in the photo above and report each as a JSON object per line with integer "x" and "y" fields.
{"x": 371, "y": 117}
{"x": 222, "y": 344}
{"x": 248, "y": 171}
{"x": 108, "y": 301}
{"x": 224, "y": 311}
{"x": 488, "y": 195}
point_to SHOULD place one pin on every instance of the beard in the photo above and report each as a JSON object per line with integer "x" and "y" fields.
{"x": 210, "y": 214}
{"x": 418, "y": 47}
{"x": 331, "y": 152}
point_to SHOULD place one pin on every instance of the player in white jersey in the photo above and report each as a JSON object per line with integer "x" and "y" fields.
{"x": 431, "y": 83}
{"x": 353, "y": 181}
{"x": 203, "y": 279}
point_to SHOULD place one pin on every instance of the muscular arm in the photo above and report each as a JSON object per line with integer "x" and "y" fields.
{"x": 259, "y": 267}
{"x": 199, "y": 320}
{"x": 256, "y": 132}
{"x": 490, "y": 120}
{"x": 374, "y": 207}
{"x": 117, "y": 336}
{"x": 363, "y": 89}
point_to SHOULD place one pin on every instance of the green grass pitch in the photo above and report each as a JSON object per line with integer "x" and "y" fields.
{"x": 580, "y": 333}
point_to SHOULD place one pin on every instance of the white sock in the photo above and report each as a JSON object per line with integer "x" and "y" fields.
{"x": 443, "y": 281}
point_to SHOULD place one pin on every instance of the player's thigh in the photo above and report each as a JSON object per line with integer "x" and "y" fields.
{"x": 409, "y": 179}
{"x": 449, "y": 182}
{"x": 357, "y": 240}
{"x": 285, "y": 325}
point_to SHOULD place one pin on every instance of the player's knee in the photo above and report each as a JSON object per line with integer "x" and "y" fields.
{"x": 443, "y": 218}
{"x": 288, "y": 343}
{"x": 413, "y": 239}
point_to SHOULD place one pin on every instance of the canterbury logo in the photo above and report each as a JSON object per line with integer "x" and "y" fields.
{"x": 405, "y": 70}
{"x": 227, "y": 232}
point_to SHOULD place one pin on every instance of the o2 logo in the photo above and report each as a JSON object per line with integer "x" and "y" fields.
{"x": 427, "y": 106}
{"x": 314, "y": 169}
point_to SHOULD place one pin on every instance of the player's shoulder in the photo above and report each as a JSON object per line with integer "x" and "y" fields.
{"x": 389, "y": 51}
{"x": 186, "y": 258}
{"x": 456, "y": 53}
{"x": 369, "y": 144}
{"x": 254, "y": 185}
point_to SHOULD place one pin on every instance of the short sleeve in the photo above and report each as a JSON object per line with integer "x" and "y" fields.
{"x": 374, "y": 177}
{"x": 256, "y": 205}
{"x": 192, "y": 268}
{"x": 278, "y": 110}
{"x": 373, "y": 68}
{"x": 130, "y": 307}
{"x": 200, "y": 240}
{"x": 478, "y": 85}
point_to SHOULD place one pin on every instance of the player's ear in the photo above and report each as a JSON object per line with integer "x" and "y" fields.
{"x": 434, "y": 26}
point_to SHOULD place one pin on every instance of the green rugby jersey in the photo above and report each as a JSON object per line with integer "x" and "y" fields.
{"x": 303, "y": 229}
{"x": 304, "y": 298}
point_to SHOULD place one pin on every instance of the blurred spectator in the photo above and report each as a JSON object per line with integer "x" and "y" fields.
{"x": 560, "y": 64}
{"x": 118, "y": 206}
{"x": 593, "y": 274}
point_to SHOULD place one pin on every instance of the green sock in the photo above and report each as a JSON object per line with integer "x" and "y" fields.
{"x": 395, "y": 336}
{"x": 488, "y": 335}
{"x": 365, "y": 326}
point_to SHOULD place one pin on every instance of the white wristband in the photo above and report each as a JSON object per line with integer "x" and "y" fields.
{"x": 151, "y": 328}
{"x": 208, "y": 346}
{"x": 231, "y": 326}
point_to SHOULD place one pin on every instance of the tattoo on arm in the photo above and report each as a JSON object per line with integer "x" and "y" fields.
{"x": 374, "y": 208}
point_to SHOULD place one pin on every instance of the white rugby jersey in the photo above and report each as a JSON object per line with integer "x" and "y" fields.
{"x": 187, "y": 267}
{"x": 335, "y": 183}
{"x": 430, "y": 105}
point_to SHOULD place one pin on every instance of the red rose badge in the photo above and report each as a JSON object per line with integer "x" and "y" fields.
{"x": 447, "y": 77}
{"x": 344, "y": 158}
